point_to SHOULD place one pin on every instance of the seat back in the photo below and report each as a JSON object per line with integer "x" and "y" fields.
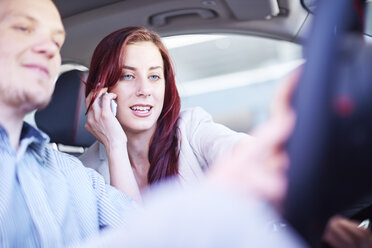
{"x": 64, "y": 118}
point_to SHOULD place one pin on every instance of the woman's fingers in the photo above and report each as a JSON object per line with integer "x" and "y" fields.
{"x": 102, "y": 123}
{"x": 96, "y": 107}
{"x": 88, "y": 99}
{"x": 94, "y": 113}
{"x": 106, "y": 104}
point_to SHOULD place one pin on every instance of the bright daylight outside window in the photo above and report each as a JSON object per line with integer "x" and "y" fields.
{"x": 233, "y": 77}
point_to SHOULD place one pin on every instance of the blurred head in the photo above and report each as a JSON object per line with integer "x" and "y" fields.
{"x": 31, "y": 35}
{"x": 133, "y": 63}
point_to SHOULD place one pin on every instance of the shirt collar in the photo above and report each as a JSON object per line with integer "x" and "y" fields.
{"x": 29, "y": 131}
{"x": 31, "y": 138}
{"x": 34, "y": 139}
{"x": 4, "y": 138}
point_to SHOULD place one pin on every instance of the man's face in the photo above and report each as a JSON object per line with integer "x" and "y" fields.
{"x": 31, "y": 35}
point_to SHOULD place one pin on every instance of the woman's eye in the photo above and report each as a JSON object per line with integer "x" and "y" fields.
{"x": 126, "y": 77}
{"x": 154, "y": 77}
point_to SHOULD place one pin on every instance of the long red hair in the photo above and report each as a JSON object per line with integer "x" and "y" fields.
{"x": 105, "y": 70}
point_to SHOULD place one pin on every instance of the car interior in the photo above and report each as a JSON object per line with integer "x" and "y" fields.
{"x": 206, "y": 39}
{"x": 230, "y": 56}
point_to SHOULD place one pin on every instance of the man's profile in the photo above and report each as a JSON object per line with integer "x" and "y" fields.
{"x": 47, "y": 198}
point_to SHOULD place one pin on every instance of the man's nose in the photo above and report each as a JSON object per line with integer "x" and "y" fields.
{"x": 46, "y": 47}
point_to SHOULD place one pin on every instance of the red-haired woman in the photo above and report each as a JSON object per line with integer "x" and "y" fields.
{"x": 150, "y": 139}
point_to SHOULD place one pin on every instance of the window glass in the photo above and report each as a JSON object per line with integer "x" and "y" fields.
{"x": 233, "y": 77}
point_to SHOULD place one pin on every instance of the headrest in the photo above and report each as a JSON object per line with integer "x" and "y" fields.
{"x": 64, "y": 118}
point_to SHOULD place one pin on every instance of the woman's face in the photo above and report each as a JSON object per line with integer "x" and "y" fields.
{"x": 140, "y": 89}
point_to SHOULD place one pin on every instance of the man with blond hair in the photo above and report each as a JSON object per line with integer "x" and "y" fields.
{"x": 47, "y": 198}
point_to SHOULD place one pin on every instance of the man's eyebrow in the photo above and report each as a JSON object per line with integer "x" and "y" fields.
{"x": 18, "y": 15}
{"x": 32, "y": 19}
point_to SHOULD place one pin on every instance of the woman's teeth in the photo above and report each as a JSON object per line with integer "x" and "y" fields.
{"x": 141, "y": 109}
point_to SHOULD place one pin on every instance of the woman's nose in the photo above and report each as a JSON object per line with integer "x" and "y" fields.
{"x": 144, "y": 88}
{"x": 143, "y": 92}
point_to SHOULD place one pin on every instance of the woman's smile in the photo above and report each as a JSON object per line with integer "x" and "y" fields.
{"x": 141, "y": 110}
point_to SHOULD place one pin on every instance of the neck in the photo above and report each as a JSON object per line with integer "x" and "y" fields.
{"x": 12, "y": 122}
{"x": 138, "y": 146}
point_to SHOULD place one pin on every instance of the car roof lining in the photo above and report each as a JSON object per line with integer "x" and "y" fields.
{"x": 87, "y": 28}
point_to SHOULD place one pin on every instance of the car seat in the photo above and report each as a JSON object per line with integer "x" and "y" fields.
{"x": 64, "y": 118}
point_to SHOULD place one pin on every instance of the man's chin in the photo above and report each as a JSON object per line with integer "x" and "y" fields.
{"x": 41, "y": 105}
{"x": 37, "y": 101}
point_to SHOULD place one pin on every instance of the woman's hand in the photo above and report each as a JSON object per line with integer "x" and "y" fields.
{"x": 344, "y": 233}
{"x": 102, "y": 123}
{"x": 258, "y": 166}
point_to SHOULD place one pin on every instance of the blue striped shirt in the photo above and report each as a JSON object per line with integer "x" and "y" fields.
{"x": 49, "y": 199}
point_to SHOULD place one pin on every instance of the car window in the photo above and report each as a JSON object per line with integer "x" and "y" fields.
{"x": 231, "y": 76}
